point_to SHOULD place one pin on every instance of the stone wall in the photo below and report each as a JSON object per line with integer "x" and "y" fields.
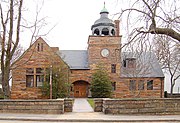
{"x": 58, "y": 106}
{"x": 141, "y": 106}
{"x": 98, "y": 105}
{"x": 68, "y": 104}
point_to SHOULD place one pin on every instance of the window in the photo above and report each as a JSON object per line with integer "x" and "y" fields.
{"x": 29, "y": 71}
{"x": 129, "y": 63}
{"x": 141, "y": 85}
{"x": 113, "y": 68}
{"x": 124, "y": 63}
{"x": 96, "y": 31}
{"x": 39, "y": 80}
{"x": 132, "y": 85}
{"x": 112, "y": 32}
{"x": 39, "y": 47}
{"x": 150, "y": 85}
{"x": 105, "y": 31}
{"x": 39, "y": 70}
{"x": 29, "y": 80}
{"x": 35, "y": 77}
{"x": 113, "y": 86}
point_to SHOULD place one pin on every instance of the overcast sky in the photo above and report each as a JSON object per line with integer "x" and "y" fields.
{"x": 73, "y": 20}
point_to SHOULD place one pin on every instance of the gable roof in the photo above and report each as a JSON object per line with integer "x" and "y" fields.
{"x": 76, "y": 59}
{"x": 146, "y": 65}
{"x": 34, "y": 45}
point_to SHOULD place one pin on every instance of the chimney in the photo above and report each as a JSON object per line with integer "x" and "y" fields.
{"x": 117, "y": 27}
{"x": 55, "y": 49}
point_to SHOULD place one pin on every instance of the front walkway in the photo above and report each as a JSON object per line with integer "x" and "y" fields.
{"x": 81, "y": 105}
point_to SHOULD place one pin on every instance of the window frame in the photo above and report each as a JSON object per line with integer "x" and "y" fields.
{"x": 150, "y": 84}
{"x": 113, "y": 86}
{"x": 132, "y": 85}
{"x": 141, "y": 85}
{"x": 113, "y": 68}
{"x": 38, "y": 77}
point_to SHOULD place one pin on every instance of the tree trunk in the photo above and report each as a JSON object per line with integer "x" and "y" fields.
{"x": 172, "y": 86}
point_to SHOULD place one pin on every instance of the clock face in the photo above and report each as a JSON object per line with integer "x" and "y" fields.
{"x": 105, "y": 52}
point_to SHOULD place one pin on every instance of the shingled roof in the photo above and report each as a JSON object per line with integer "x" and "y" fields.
{"x": 146, "y": 63}
{"x": 76, "y": 59}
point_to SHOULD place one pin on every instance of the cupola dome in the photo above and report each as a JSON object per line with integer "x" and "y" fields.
{"x": 104, "y": 25}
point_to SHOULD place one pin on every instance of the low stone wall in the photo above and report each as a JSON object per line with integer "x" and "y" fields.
{"x": 68, "y": 104}
{"x": 173, "y": 95}
{"x": 98, "y": 105}
{"x": 32, "y": 106}
{"x": 141, "y": 106}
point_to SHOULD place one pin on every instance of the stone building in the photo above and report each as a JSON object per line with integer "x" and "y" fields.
{"x": 132, "y": 74}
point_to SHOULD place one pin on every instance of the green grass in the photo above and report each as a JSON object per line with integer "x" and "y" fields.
{"x": 91, "y": 102}
{"x": 1, "y": 97}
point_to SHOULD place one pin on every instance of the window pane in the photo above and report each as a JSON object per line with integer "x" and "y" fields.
{"x": 113, "y": 86}
{"x": 41, "y": 46}
{"x": 150, "y": 85}
{"x": 38, "y": 47}
{"x": 132, "y": 85}
{"x": 141, "y": 85}
{"x": 29, "y": 80}
{"x": 39, "y": 80}
{"x": 131, "y": 63}
{"x": 39, "y": 70}
{"x": 113, "y": 68}
{"x": 29, "y": 71}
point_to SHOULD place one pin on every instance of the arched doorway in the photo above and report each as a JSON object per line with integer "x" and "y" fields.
{"x": 81, "y": 89}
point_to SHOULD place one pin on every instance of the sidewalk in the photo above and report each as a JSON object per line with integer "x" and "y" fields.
{"x": 81, "y": 105}
{"x": 89, "y": 117}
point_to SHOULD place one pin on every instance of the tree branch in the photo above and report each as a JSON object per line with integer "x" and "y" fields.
{"x": 166, "y": 31}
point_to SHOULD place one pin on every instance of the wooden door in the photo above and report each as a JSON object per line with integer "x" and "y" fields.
{"x": 80, "y": 90}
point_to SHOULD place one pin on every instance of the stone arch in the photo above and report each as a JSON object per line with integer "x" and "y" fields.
{"x": 81, "y": 89}
{"x": 96, "y": 31}
{"x": 112, "y": 32}
{"x": 105, "y": 31}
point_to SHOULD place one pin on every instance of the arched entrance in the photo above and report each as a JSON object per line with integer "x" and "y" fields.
{"x": 81, "y": 89}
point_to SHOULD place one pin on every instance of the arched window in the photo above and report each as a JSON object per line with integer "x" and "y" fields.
{"x": 96, "y": 31}
{"x": 112, "y": 32}
{"x": 105, "y": 31}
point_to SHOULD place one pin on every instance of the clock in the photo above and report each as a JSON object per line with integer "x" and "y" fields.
{"x": 105, "y": 52}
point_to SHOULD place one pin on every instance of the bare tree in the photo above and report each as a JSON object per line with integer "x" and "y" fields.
{"x": 10, "y": 22}
{"x": 168, "y": 54}
{"x": 158, "y": 17}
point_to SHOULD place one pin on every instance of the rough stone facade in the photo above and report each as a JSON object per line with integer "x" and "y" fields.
{"x": 123, "y": 91}
{"x": 38, "y": 57}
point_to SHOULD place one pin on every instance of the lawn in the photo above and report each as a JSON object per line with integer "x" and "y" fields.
{"x": 91, "y": 102}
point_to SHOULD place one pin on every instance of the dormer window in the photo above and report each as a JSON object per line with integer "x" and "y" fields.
{"x": 129, "y": 63}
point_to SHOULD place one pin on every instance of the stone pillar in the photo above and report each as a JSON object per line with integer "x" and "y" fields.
{"x": 98, "y": 105}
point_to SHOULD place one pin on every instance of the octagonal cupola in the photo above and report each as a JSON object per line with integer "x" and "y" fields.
{"x": 103, "y": 26}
